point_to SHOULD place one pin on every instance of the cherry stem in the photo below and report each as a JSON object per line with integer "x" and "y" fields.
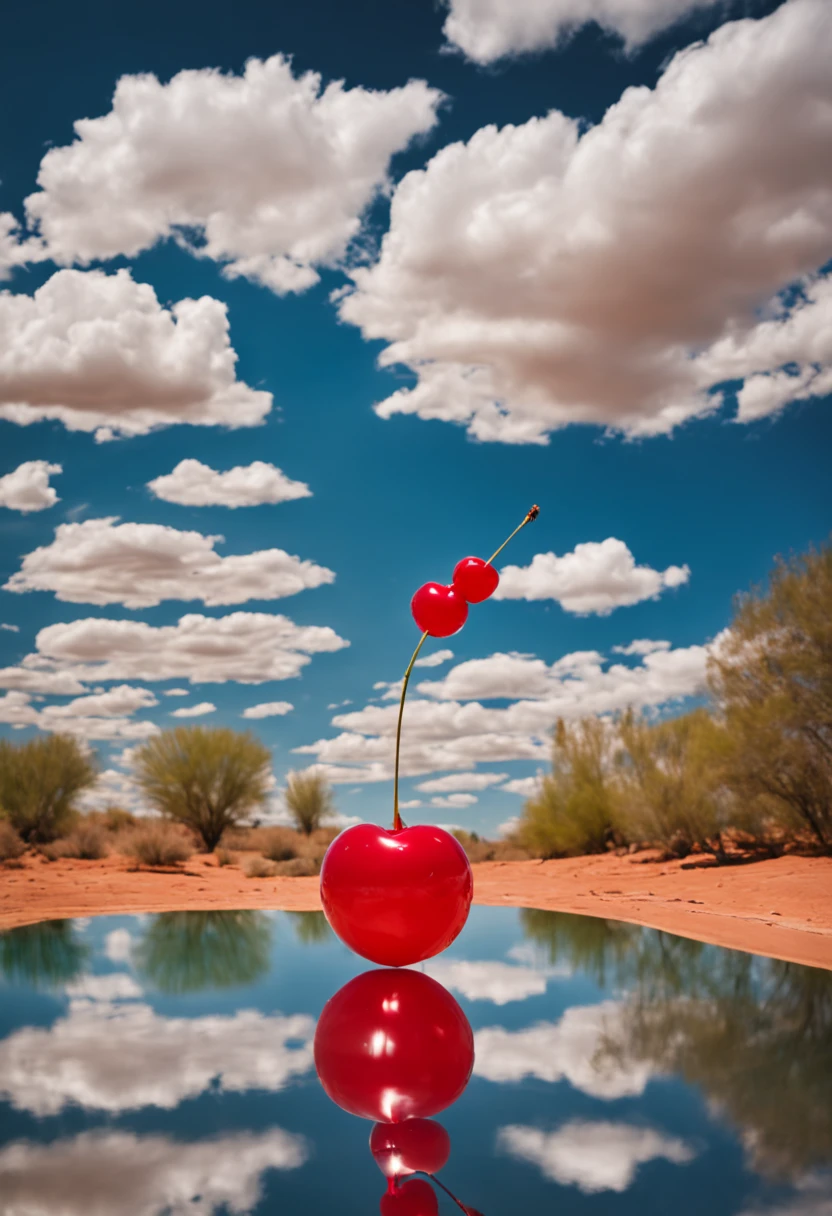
{"x": 397, "y": 819}
{"x": 458, "y": 1203}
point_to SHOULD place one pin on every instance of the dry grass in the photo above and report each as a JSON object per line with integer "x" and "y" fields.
{"x": 259, "y": 867}
{"x": 157, "y": 843}
{"x": 87, "y": 842}
{"x": 490, "y": 850}
{"x": 225, "y": 857}
{"x": 11, "y": 846}
{"x": 284, "y": 846}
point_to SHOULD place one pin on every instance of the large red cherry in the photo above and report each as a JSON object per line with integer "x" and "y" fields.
{"x": 438, "y": 610}
{"x": 396, "y": 897}
{"x": 393, "y": 1045}
{"x": 417, "y": 1146}
{"x": 475, "y": 579}
{"x": 413, "y": 1198}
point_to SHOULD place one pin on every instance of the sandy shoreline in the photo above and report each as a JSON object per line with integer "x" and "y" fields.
{"x": 781, "y": 908}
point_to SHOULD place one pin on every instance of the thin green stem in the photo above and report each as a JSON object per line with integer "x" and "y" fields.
{"x": 397, "y": 819}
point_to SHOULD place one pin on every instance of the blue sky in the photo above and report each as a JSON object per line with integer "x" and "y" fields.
{"x": 638, "y": 279}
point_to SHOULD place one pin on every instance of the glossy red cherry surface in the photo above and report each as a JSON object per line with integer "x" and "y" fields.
{"x": 439, "y": 610}
{"x": 393, "y": 1045}
{"x": 413, "y": 1198}
{"x": 475, "y": 579}
{"x": 417, "y": 1146}
{"x": 396, "y": 897}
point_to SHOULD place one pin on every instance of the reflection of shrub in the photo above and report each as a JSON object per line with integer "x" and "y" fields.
{"x": 157, "y": 843}
{"x": 189, "y": 951}
{"x": 310, "y": 927}
{"x": 87, "y": 843}
{"x": 42, "y": 955}
{"x": 11, "y": 846}
{"x": 259, "y": 867}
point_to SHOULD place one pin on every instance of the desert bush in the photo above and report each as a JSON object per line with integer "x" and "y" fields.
{"x": 298, "y": 867}
{"x": 259, "y": 867}
{"x": 225, "y": 857}
{"x": 116, "y": 819}
{"x": 309, "y": 800}
{"x": 157, "y": 843}
{"x": 11, "y": 846}
{"x": 575, "y": 810}
{"x": 478, "y": 849}
{"x": 278, "y": 844}
{"x": 39, "y": 782}
{"x": 87, "y": 842}
{"x": 209, "y": 780}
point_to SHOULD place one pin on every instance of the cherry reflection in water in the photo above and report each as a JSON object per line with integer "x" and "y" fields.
{"x": 394, "y": 1047}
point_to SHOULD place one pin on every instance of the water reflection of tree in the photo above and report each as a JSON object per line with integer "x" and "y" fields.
{"x": 310, "y": 927}
{"x": 755, "y": 1035}
{"x": 43, "y": 955}
{"x": 188, "y": 951}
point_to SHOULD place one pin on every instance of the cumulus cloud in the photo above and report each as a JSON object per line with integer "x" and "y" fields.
{"x": 526, "y": 787}
{"x": 114, "y": 703}
{"x": 176, "y": 692}
{"x": 102, "y": 561}
{"x": 435, "y": 660}
{"x": 488, "y": 980}
{"x": 250, "y": 647}
{"x": 269, "y": 709}
{"x": 562, "y": 1050}
{"x": 98, "y": 1173}
{"x": 449, "y": 728}
{"x": 461, "y": 781}
{"x": 195, "y": 711}
{"x": 17, "y": 710}
{"x": 114, "y": 788}
{"x": 594, "y": 1156}
{"x": 113, "y": 1053}
{"x": 27, "y": 488}
{"x": 99, "y": 353}
{"x": 488, "y": 30}
{"x": 43, "y": 683}
{"x": 546, "y": 274}
{"x": 596, "y": 577}
{"x": 272, "y": 172}
{"x": 641, "y": 646}
{"x": 454, "y": 800}
{"x": 194, "y": 484}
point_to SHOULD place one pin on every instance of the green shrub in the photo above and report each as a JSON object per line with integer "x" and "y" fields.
{"x": 39, "y": 782}
{"x": 88, "y": 842}
{"x": 157, "y": 843}
{"x": 279, "y": 844}
{"x": 309, "y": 800}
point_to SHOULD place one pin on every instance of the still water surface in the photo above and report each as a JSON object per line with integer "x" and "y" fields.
{"x": 163, "y": 1066}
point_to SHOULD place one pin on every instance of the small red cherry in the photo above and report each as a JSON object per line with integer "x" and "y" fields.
{"x": 393, "y": 1045}
{"x": 475, "y": 579}
{"x": 438, "y": 610}
{"x": 396, "y": 897}
{"x": 413, "y": 1198}
{"x": 417, "y": 1146}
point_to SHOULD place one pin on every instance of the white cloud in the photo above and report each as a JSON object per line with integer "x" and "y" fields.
{"x": 45, "y": 683}
{"x": 597, "y": 1156}
{"x": 488, "y": 30}
{"x": 410, "y": 804}
{"x": 194, "y": 484}
{"x": 195, "y": 711}
{"x": 272, "y": 171}
{"x": 641, "y": 646}
{"x": 508, "y": 827}
{"x": 461, "y": 781}
{"x": 98, "y": 1173}
{"x": 27, "y": 488}
{"x": 545, "y": 274}
{"x": 10, "y": 628}
{"x": 176, "y": 692}
{"x": 453, "y": 735}
{"x": 596, "y": 577}
{"x": 114, "y": 788}
{"x": 491, "y": 981}
{"x": 113, "y": 1053}
{"x": 114, "y": 703}
{"x": 526, "y": 787}
{"x": 101, "y": 561}
{"x": 454, "y": 800}
{"x": 17, "y": 710}
{"x": 99, "y": 353}
{"x": 250, "y": 647}
{"x": 435, "y": 659}
{"x": 269, "y": 709}
{"x": 118, "y": 946}
{"x": 563, "y": 1050}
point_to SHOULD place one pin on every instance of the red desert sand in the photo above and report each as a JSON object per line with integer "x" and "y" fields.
{"x": 781, "y": 908}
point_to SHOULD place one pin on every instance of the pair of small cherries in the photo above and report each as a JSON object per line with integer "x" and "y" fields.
{"x": 440, "y": 611}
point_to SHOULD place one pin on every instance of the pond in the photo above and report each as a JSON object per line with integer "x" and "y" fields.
{"x": 163, "y": 1065}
